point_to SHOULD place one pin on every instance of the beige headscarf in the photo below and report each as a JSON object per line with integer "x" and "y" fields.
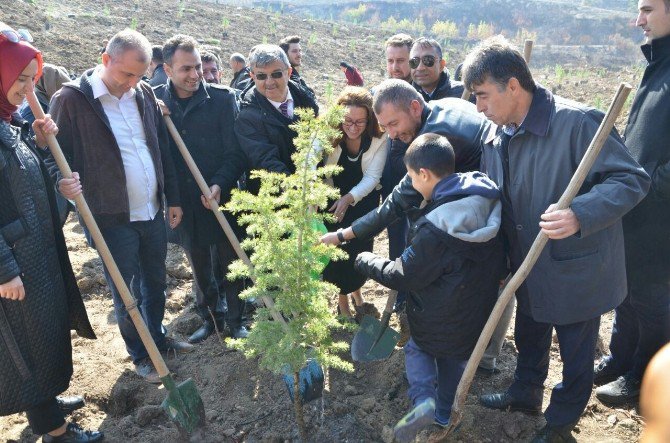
{"x": 51, "y": 81}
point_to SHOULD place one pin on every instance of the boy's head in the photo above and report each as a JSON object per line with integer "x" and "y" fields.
{"x": 429, "y": 159}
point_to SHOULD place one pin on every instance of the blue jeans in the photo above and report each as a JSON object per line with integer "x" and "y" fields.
{"x": 432, "y": 377}
{"x": 577, "y": 345}
{"x": 139, "y": 250}
{"x": 641, "y": 326}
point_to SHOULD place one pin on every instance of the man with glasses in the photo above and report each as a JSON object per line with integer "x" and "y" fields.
{"x": 204, "y": 114}
{"x": 429, "y": 75}
{"x": 268, "y": 109}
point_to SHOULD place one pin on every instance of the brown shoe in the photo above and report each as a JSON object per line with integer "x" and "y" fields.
{"x": 147, "y": 371}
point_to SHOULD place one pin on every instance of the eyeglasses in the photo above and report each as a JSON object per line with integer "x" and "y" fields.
{"x": 15, "y": 36}
{"x": 427, "y": 60}
{"x": 358, "y": 123}
{"x": 263, "y": 76}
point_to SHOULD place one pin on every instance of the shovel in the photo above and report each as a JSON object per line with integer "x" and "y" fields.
{"x": 527, "y": 50}
{"x": 183, "y": 403}
{"x": 375, "y": 340}
{"x": 311, "y": 379}
{"x": 529, "y": 261}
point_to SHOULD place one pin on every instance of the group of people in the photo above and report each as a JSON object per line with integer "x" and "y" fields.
{"x": 466, "y": 187}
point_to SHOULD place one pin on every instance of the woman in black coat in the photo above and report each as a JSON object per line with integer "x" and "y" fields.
{"x": 39, "y": 298}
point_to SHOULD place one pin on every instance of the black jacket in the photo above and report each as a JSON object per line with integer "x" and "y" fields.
{"x": 264, "y": 133}
{"x": 296, "y": 77}
{"x": 647, "y": 136}
{"x": 451, "y": 268}
{"x": 457, "y": 120}
{"x": 36, "y": 354}
{"x": 207, "y": 127}
{"x": 445, "y": 88}
{"x": 241, "y": 79}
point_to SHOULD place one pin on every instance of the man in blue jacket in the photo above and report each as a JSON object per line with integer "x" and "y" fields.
{"x": 531, "y": 152}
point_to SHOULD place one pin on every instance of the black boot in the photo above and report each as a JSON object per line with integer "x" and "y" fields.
{"x": 74, "y": 434}
{"x": 557, "y": 434}
{"x": 203, "y": 332}
{"x": 68, "y": 405}
{"x": 506, "y": 402}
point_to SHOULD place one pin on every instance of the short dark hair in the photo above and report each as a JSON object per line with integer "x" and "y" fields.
{"x": 157, "y": 53}
{"x": 497, "y": 60}
{"x": 286, "y": 41}
{"x": 237, "y": 57}
{"x": 397, "y": 92}
{"x": 433, "y": 152}
{"x": 179, "y": 41}
{"x": 400, "y": 40}
{"x": 423, "y": 42}
{"x": 207, "y": 57}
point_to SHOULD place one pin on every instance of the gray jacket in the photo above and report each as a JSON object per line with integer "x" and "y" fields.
{"x": 582, "y": 276}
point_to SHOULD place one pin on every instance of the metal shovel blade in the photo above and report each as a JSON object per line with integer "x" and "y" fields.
{"x": 311, "y": 382}
{"x": 374, "y": 340}
{"x": 184, "y": 405}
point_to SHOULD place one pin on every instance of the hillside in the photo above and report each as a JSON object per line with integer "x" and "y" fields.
{"x": 242, "y": 402}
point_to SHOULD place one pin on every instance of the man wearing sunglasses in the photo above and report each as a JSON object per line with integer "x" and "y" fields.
{"x": 429, "y": 75}
{"x": 266, "y": 111}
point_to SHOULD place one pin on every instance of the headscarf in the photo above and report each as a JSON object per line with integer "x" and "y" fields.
{"x": 14, "y": 57}
{"x": 52, "y": 79}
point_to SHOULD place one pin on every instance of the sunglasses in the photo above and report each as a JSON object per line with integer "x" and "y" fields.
{"x": 263, "y": 76}
{"x": 427, "y": 60}
{"x": 16, "y": 36}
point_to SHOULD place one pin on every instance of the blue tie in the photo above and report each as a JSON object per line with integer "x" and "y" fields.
{"x": 284, "y": 109}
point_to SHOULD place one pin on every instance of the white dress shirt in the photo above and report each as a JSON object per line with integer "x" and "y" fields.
{"x": 289, "y": 108}
{"x": 126, "y": 122}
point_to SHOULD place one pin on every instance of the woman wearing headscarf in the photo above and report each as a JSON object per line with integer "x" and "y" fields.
{"x": 39, "y": 298}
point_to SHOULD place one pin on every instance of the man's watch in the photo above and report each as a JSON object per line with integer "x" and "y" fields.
{"x": 340, "y": 236}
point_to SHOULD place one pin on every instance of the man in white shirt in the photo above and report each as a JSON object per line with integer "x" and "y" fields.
{"x": 112, "y": 132}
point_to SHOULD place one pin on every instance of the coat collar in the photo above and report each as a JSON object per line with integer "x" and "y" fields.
{"x": 658, "y": 48}
{"x": 200, "y": 95}
{"x": 537, "y": 120}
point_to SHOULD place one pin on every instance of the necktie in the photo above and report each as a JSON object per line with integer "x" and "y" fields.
{"x": 283, "y": 108}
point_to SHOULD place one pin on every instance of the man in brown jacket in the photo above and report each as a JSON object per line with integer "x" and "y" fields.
{"x": 113, "y": 135}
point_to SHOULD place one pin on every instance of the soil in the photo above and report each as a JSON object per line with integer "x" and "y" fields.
{"x": 243, "y": 402}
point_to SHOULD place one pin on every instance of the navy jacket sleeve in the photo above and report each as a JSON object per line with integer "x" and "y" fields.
{"x": 417, "y": 267}
{"x": 255, "y": 143}
{"x": 236, "y": 162}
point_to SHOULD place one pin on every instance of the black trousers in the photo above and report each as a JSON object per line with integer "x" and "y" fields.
{"x": 577, "y": 345}
{"x": 208, "y": 295}
{"x": 45, "y": 417}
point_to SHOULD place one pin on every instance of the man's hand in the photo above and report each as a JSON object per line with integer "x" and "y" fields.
{"x": 164, "y": 109}
{"x": 13, "y": 289}
{"x": 215, "y": 190}
{"x": 70, "y": 187}
{"x": 340, "y": 206}
{"x": 559, "y": 224}
{"x": 331, "y": 237}
{"x": 174, "y": 216}
{"x": 43, "y": 128}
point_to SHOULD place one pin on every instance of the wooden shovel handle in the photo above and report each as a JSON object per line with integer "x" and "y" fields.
{"x": 527, "y": 50}
{"x": 534, "y": 253}
{"x": 214, "y": 206}
{"x": 100, "y": 244}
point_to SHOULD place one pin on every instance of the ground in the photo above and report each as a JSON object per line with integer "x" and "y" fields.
{"x": 244, "y": 403}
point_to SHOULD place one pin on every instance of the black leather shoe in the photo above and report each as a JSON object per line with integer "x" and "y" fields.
{"x": 173, "y": 346}
{"x": 202, "y": 333}
{"x": 68, "y": 405}
{"x": 623, "y": 390}
{"x": 74, "y": 434}
{"x": 604, "y": 372}
{"x": 559, "y": 434}
{"x": 239, "y": 332}
{"x": 506, "y": 402}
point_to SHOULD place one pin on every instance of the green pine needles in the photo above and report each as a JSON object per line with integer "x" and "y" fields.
{"x": 281, "y": 223}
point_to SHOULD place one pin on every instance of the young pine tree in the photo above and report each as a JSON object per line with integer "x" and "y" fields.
{"x": 288, "y": 258}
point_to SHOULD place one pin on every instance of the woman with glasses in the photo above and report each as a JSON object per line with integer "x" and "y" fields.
{"x": 39, "y": 298}
{"x": 361, "y": 152}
